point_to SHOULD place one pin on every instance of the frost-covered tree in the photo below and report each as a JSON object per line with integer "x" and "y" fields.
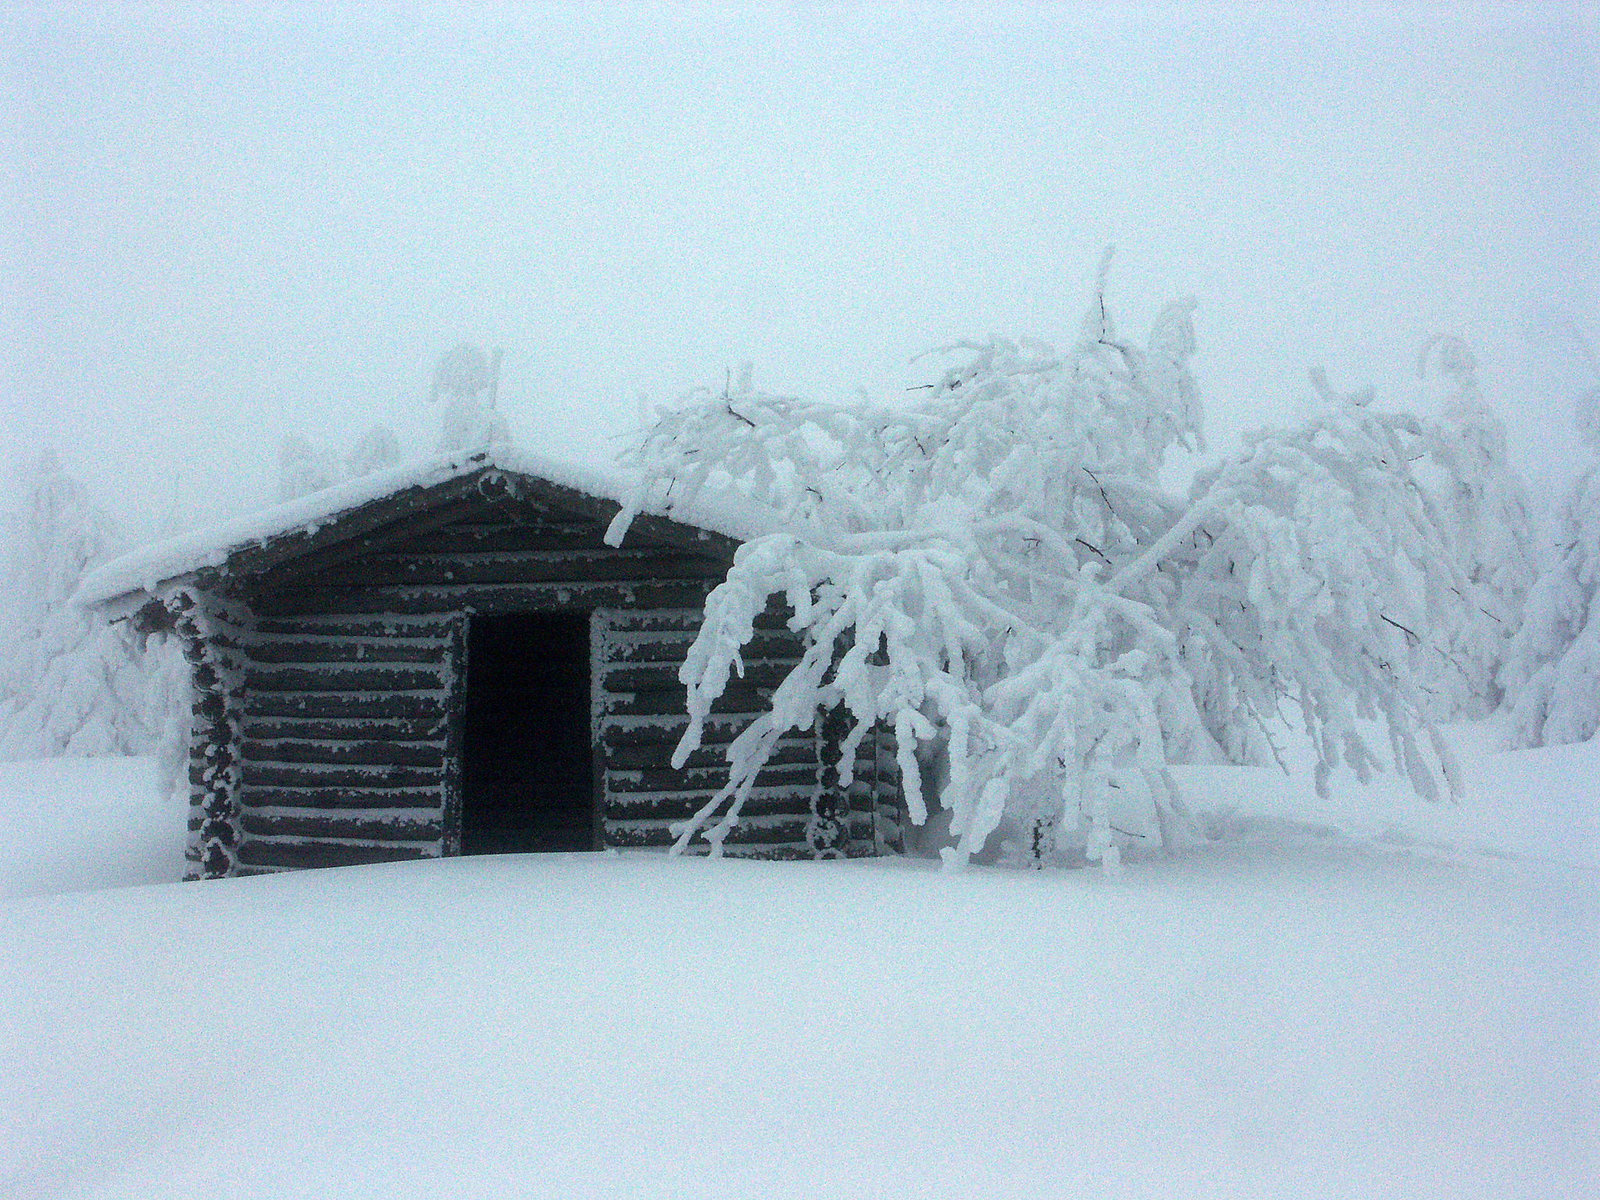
{"x": 376, "y": 450}
{"x": 304, "y": 468}
{"x": 1483, "y": 513}
{"x": 1552, "y": 675}
{"x": 465, "y": 382}
{"x": 70, "y": 683}
{"x": 996, "y": 575}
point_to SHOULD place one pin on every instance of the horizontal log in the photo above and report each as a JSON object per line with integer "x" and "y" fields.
{"x": 344, "y": 678}
{"x": 657, "y": 620}
{"x": 620, "y": 729}
{"x": 360, "y": 530}
{"x": 678, "y": 808}
{"x": 295, "y": 651}
{"x": 664, "y": 677}
{"x": 352, "y": 729}
{"x": 769, "y": 832}
{"x": 659, "y": 755}
{"x": 705, "y": 780}
{"x": 255, "y": 853}
{"x": 688, "y": 618}
{"x": 376, "y": 753}
{"x": 406, "y": 705}
{"x": 483, "y": 599}
{"x": 382, "y": 625}
{"x": 745, "y": 703}
{"x": 783, "y": 853}
{"x": 624, "y": 649}
{"x": 341, "y": 797}
{"x": 517, "y": 566}
{"x": 497, "y": 534}
{"x": 398, "y": 828}
{"x": 267, "y": 775}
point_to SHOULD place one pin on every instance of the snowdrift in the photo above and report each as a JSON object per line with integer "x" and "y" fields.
{"x": 1310, "y": 1006}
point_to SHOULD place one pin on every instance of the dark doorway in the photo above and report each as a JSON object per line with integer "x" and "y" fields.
{"x": 527, "y": 769}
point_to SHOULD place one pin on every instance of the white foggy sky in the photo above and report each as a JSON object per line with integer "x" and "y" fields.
{"x": 225, "y": 224}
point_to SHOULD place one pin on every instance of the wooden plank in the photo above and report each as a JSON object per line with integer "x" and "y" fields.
{"x": 499, "y": 535}
{"x": 410, "y": 705}
{"x": 742, "y": 701}
{"x": 305, "y": 651}
{"x": 522, "y": 566}
{"x": 706, "y": 780}
{"x": 673, "y": 647}
{"x": 781, "y": 831}
{"x": 619, "y": 729}
{"x": 400, "y": 827}
{"x": 381, "y": 625}
{"x": 341, "y": 797}
{"x": 678, "y": 808}
{"x": 659, "y": 755}
{"x": 337, "y": 729}
{"x": 269, "y": 775}
{"x": 342, "y": 753}
{"x": 664, "y": 677}
{"x": 486, "y": 599}
{"x": 341, "y": 677}
{"x": 362, "y": 528}
{"x": 325, "y": 547}
{"x": 300, "y": 855}
{"x": 689, "y": 618}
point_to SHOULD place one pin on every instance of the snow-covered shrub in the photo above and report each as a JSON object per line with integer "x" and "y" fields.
{"x": 1552, "y": 674}
{"x": 70, "y": 684}
{"x": 996, "y": 575}
{"x": 1483, "y": 512}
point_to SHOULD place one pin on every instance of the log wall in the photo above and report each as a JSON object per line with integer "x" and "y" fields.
{"x": 351, "y": 678}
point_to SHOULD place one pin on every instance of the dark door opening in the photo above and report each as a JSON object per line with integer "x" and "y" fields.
{"x": 527, "y": 766}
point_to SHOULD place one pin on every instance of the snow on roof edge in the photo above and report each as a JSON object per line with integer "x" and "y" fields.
{"x": 158, "y": 563}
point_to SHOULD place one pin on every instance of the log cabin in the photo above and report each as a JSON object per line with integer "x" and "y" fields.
{"x": 447, "y": 658}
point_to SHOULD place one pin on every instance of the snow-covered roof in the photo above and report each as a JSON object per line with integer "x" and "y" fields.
{"x": 149, "y": 567}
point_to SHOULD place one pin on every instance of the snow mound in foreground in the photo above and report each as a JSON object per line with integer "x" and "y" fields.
{"x": 1278, "y": 1015}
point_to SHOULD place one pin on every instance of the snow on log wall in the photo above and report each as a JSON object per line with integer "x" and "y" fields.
{"x": 347, "y": 724}
{"x": 350, "y": 711}
{"x": 639, "y": 718}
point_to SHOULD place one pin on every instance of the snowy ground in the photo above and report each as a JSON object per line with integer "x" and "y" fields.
{"x": 1328, "y": 1002}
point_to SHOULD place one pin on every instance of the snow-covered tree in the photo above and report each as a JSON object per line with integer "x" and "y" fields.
{"x": 304, "y": 468}
{"x": 376, "y": 450}
{"x": 996, "y": 575}
{"x": 1483, "y": 512}
{"x": 70, "y": 682}
{"x": 1552, "y": 674}
{"x": 465, "y": 382}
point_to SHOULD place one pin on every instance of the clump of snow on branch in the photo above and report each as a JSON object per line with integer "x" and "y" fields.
{"x": 70, "y": 684}
{"x": 1552, "y": 674}
{"x": 995, "y": 574}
